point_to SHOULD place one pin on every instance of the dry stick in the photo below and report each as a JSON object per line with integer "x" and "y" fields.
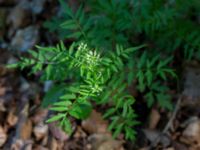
{"x": 169, "y": 124}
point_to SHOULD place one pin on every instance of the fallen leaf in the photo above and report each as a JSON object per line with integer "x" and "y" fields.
{"x": 53, "y": 144}
{"x": 18, "y": 15}
{"x": 26, "y": 130}
{"x": 2, "y": 91}
{"x": 17, "y": 145}
{"x": 57, "y": 132}
{"x": 12, "y": 119}
{"x": 40, "y": 131}
{"x": 39, "y": 116}
{"x": 191, "y": 134}
{"x": 105, "y": 142}
{"x": 154, "y": 118}
{"x": 2, "y": 106}
{"x": 170, "y": 148}
{"x": 3, "y": 136}
{"x": 3, "y": 70}
{"x": 156, "y": 137}
{"x": 39, "y": 147}
{"x": 25, "y": 39}
{"x": 79, "y": 133}
{"x": 95, "y": 123}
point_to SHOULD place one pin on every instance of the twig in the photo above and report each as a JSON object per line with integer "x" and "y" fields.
{"x": 168, "y": 125}
{"x": 170, "y": 122}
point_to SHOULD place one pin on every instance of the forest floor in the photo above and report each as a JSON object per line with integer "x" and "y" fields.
{"x": 22, "y": 120}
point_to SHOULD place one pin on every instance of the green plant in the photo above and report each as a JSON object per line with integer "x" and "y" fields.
{"x": 98, "y": 68}
{"x": 93, "y": 78}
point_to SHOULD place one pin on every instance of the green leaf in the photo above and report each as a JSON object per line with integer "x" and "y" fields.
{"x": 141, "y": 85}
{"x": 109, "y": 112}
{"x": 114, "y": 122}
{"x": 130, "y": 133}
{"x": 69, "y": 24}
{"x": 133, "y": 49}
{"x": 75, "y": 35}
{"x": 81, "y": 110}
{"x": 11, "y": 66}
{"x": 66, "y": 8}
{"x": 68, "y": 96}
{"x": 55, "y": 118}
{"x": 118, "y": 130}
{"x": 149, "y": 76}
{"x": 66, "y": 126}
{"x": 150, "y": 99}
{"x": 52, "y": 95}
{"x": 59, "y": 109}
{"x": 164, "y": 101}
{"x": 63, "y": 103}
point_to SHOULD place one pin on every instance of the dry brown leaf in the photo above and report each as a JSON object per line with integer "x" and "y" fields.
{"x": 178, "y": 146}
{"x": 95, "y": 123}
{"x": 154, "y": 118}
{"x": 39, "y": 116}
{"x": 2, "y": 106}
{"x": 39, "y": 147}
{"x": 191, "y": 134}
{"x": 170, "y": 148}
{"x": 2, "y": 91}
{"x": 3, "y": 70}
{"x": 79, "y": 133}
{"x": 57, "y": 132}
{"x": 144, "y": 148}
{"x": 12, "y": 119}
{"x": 105, "y": 142}
{"x": 17, "y": 145}
{"x": 26, "y": 130}
{"x": 53, "y": 144}
{"x": 17, "y": 15}
{"x": 3, "y": 136}
{"x": 40, "y": 131}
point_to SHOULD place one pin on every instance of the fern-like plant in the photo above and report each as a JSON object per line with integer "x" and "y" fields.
{"x": 93, "y": 77}
{"x": 97, "y": 67}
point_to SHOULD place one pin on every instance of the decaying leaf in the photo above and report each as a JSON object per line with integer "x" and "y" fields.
{"x": 40, "y": 131}
{"x": 191, "y": 134}
{"x": 3, "y": 136}
{"x": 105, "y": 142}
{"x": 95, "y": 123}
{"x": 26, "y": 130}
{"x": 154, "y": 118}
